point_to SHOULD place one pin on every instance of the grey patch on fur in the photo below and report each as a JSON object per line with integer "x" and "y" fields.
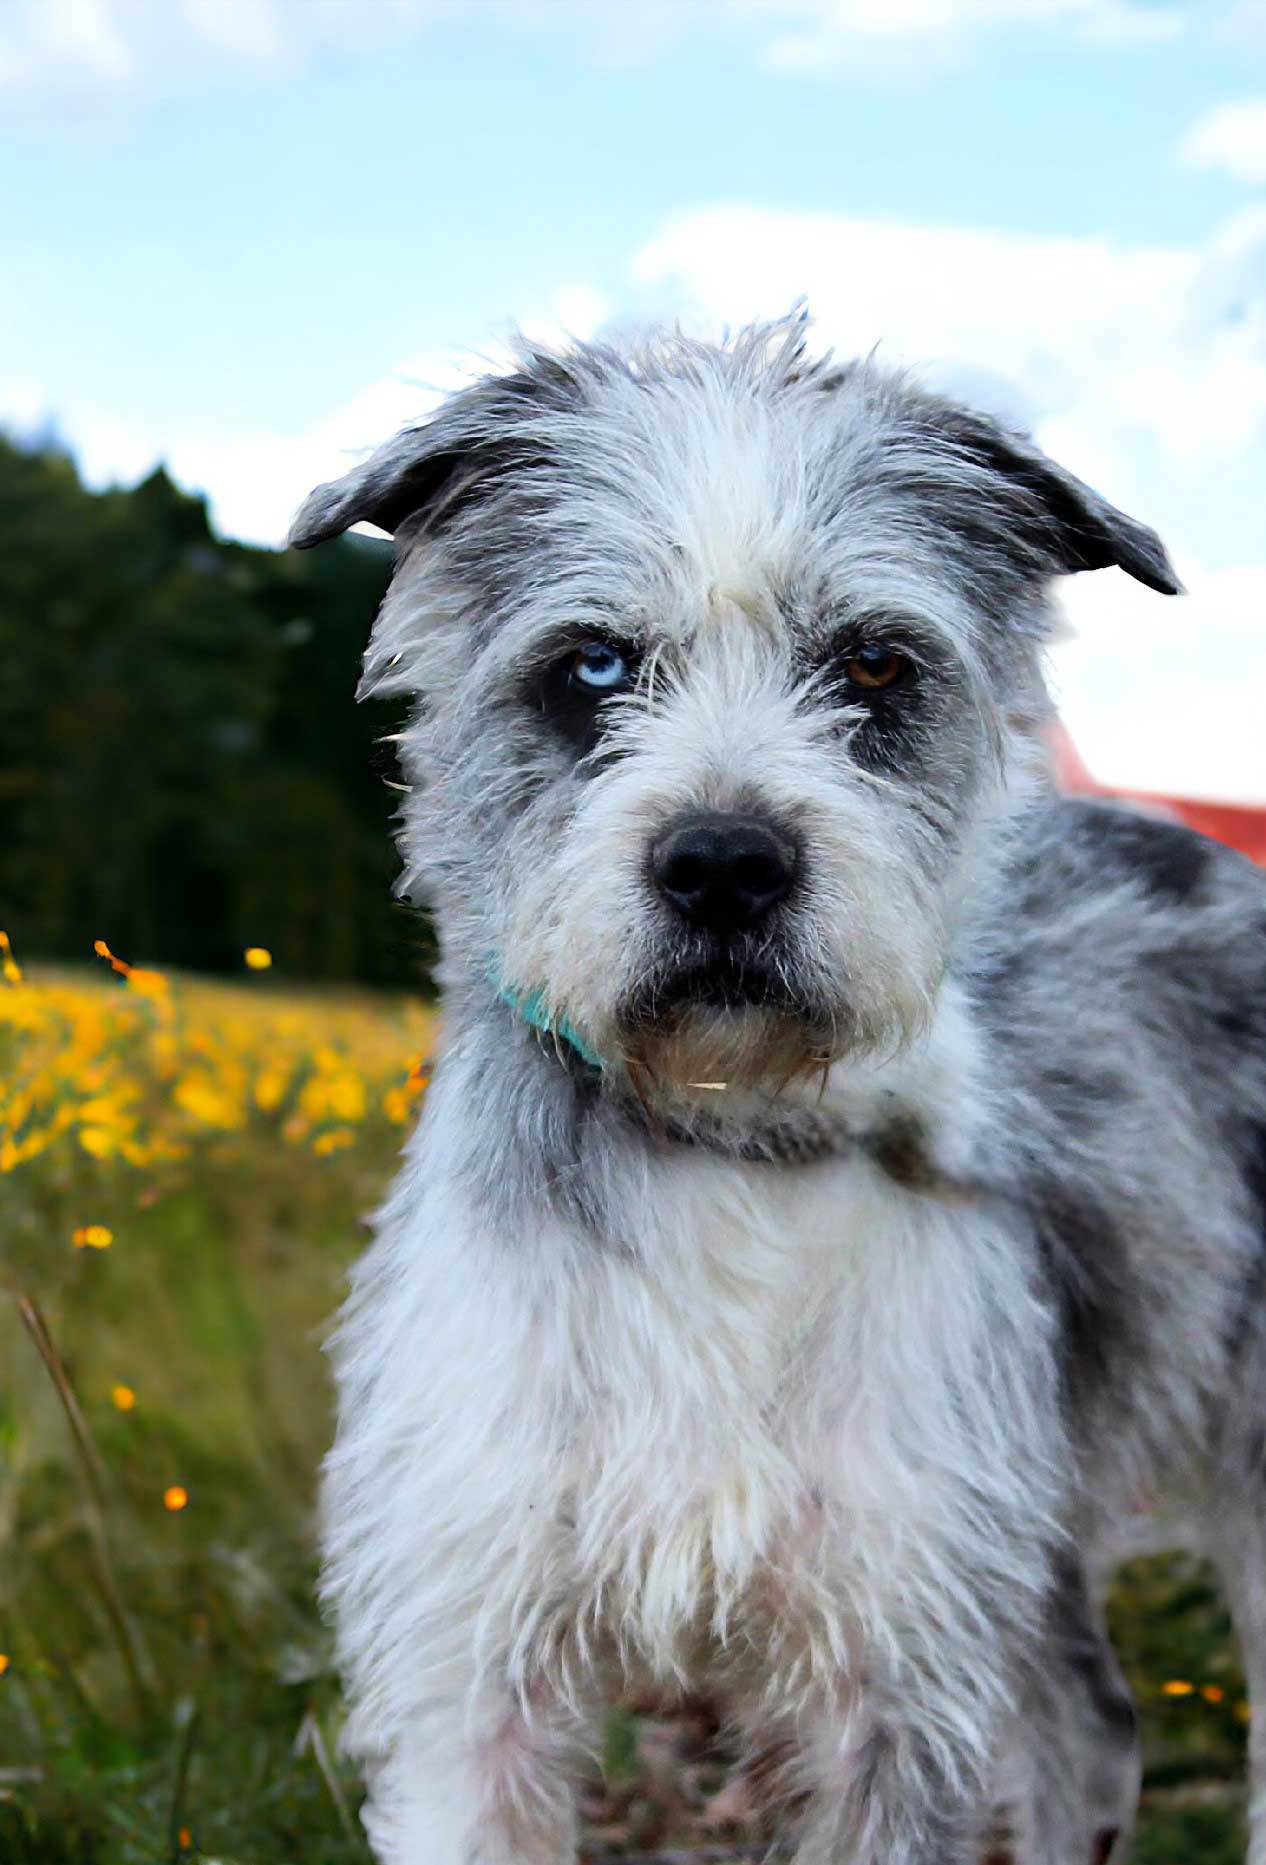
{"x": 1166, "y": 857}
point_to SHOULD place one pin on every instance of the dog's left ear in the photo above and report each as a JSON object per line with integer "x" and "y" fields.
{"x": 1062, "y": 523}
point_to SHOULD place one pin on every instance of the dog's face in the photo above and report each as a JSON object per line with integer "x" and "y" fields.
{"x": 725, "y": 663}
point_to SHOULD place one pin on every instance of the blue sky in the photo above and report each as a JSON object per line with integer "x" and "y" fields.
{"x": 253, "y": 236}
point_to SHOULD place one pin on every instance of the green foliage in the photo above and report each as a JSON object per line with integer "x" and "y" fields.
{"x": 1173, "y": 1630}
{"x": 183, "y": 768}
{"x": 1209, "y": 1833}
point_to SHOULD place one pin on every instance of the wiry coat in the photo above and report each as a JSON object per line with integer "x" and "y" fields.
{"x": 815, "y": 1387}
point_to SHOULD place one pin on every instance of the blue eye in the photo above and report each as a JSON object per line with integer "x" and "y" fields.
{"x": 599, "y": 668}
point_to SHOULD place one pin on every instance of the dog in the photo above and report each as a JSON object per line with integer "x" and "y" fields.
{"x": 842, "y": 1193}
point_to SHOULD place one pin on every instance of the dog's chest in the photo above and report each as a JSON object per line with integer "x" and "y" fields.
{"x": 742, "y": 1411}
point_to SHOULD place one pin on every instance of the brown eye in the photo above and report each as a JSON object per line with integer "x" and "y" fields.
{"x": 872, "y": 668}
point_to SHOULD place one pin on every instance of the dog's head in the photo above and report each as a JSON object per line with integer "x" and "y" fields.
{"x": 726, "y": 662}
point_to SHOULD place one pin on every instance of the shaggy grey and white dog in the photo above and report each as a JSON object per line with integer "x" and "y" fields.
{"x": 843, "y": 1190}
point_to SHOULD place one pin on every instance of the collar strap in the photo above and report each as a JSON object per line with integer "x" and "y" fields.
{"x": 782, "y": 1136}
{"x": 530, "y": 1007}
{"x": 787, "y": 1137}
{"x": 802, "y": 1136}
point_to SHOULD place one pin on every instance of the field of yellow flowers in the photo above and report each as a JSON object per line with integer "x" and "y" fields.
{"x": 184, "y": 1167}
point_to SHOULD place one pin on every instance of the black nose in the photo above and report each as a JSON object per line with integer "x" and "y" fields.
{"x": 723, "y": 873}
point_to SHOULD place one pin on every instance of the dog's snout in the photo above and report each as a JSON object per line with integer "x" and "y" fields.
{"x": 723, "y": 872}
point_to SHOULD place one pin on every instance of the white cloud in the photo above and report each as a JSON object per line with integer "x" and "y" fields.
{"x": 252, "y": 31}
{"x": 101, "y": 45}
{"x": 1166, "y": 695}
{"x": 1242, "y": 25}
{"x": 40, "y": 39}
{"x": 825, "y": 35}
{"x": 93, "y": 46}
{"x": 256, "y": 479}
{"x": 1232, "y": 137}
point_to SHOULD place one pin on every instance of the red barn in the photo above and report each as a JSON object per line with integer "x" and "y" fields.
{"x": 1240, "y": 825}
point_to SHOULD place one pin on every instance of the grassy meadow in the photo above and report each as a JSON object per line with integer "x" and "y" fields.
{"x": 183, "y": 1171}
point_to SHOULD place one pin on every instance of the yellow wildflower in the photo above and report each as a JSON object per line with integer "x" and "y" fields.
{"x": 175, "y": 1498}
{"x": 123, "y": 1397}
{"x": 103, "y": 1110}
{"x": 1177, "y": 1687}
{"x": 8, "y": 964}
{"x": 139, "y": 1078}
{"x": 346, "y": 1094}
{"x": 270, "y": 1089}
{"x": 102, "y": 950}
{"x": 207, "y": 1101}
{"x": 98, "y": 1141}
{"x": 258, "y": 957}
{"x": 152, "y": 984}
{"x": 333, "y": 1140}
{"x": 92, "y": 1237}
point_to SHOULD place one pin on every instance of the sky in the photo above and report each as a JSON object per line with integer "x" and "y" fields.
{"x": 251, "y": 238}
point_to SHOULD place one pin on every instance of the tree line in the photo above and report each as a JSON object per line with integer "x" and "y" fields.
{"x": 183, "y": 769}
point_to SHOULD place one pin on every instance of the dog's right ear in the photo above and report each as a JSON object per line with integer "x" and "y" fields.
{"x": 410, "y": 475}
{"x": 1061, "y": 523}
{"x": 427, "y": 473}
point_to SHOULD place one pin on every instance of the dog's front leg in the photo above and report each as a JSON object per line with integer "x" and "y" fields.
{"x": 468, "y": 1756}
{"x": 468, "y": 1746}
{"x": 446, "y": 1546}
{"x": 484, "y": 1781}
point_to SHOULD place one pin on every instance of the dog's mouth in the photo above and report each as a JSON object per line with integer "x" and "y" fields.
{"x": 724, "y": 1021}
{"x": 726, "y": 983}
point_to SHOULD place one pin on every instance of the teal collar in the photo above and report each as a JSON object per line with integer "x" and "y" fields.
{"x": 802, "y": 1136}
{"x": 531, "y": 1008}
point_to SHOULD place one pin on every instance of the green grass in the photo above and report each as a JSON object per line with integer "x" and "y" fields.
{"x": 210, "y": 1306}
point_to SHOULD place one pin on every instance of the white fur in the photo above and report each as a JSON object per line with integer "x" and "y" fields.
{"x": 779, "y": 1432}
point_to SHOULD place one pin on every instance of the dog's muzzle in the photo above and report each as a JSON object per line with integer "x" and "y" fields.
{"x": 721, "y": 879}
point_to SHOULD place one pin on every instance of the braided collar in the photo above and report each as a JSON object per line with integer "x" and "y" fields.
{"x": 784, "y": 1136}
{"x": 773, "y": 1134}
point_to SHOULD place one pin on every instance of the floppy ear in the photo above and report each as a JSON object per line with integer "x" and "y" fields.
{"x": 428, "y": 472}
{"x": 1062, "y": 522}
{"x": 409, "y": 474}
